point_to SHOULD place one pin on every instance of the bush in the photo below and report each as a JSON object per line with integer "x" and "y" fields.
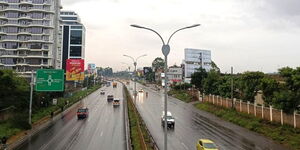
{"x": 20, "y": 121}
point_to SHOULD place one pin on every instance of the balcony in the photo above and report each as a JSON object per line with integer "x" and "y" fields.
{"x": 25, "y": 18}
{"x": 4, "y": 2}
{"x": 2, "y": 33}
{"x": 26, "y": 2}
{"x": 24, "y": 33}
{"x": 3, "y": 17}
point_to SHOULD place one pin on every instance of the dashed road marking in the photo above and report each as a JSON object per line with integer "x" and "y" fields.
{"x": 184, "y": 146}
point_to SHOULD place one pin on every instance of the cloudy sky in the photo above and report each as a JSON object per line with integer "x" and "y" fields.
{"x": 250, "y": 35}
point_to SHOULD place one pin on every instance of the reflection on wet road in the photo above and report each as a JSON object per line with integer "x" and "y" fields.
{"x": 103, "y": 129}
{"x": 192, "y": 124}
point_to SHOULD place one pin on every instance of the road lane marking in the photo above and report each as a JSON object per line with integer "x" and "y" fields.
{"x": 101, "y": 133}
{"x": 184, "y": 146}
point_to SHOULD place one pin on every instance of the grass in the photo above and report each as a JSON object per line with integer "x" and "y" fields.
{"x": 134, "y": 119}
{"x": 13, "y": 126}
{"x": 181, "y": 95}
{"x": 285, "y": 135}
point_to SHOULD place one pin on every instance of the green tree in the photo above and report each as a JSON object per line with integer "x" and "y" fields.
{"x": 224, "y": 86}
{"x": 150, "y": 77}
{"x": 14, "y": 90}
{"x": 269, "y": 86}
{"x": 249, "y": 85}
{"x": 211, "y": 82}
{"x": 158, "y": 63}
{"x": 214, "y": 66}
{"x": 197, "y": 79}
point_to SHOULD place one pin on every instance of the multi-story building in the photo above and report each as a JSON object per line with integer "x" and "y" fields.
{"x": 193, "y": 60}
{"x": 73, "y": 37}
{"x": 28, "y": 34}
{"x": 174, "y": 74}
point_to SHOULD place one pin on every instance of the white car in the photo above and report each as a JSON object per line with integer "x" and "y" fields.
{"x": 170, "y": 120}
{"x": 141, "y": 90}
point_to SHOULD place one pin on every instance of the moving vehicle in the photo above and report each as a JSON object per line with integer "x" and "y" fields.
{"x": 107, "y": 84}
{"x": 115, "y": 84}
{"x": 206, "y": 144}
{"x": 141, "y": 90}
{"x": 110, "y": 97}
{"x": 102, "y": 92}
{"x": 116, "y": 102}
{"x": 170, "y": 120}
{"x": 82, "y": 113}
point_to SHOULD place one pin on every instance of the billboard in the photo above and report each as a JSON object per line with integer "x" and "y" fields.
{"x": 75, "y": 69}
{"x": 91, "y": 68}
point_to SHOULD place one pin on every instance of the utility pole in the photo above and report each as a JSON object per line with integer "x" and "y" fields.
{"x": 232, "y": 102}
{"x": 30, "y": 101}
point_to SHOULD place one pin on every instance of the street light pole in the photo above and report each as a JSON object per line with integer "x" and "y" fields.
{"x": 165, "y": 51}
{"x": 30, "y": 101}
{"x": 135, "y": 63}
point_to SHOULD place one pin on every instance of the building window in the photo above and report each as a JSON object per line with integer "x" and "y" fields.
{"x": 75, "y": 51}
{"x": 76, "y": 37}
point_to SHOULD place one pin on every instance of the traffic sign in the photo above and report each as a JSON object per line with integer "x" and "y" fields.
{"x": 49, "y": 80}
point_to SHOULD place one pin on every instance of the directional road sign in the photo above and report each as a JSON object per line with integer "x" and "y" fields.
{"x": 49, "y": 80}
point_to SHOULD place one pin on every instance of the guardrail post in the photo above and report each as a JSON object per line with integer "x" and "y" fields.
{"x": 262, "y": 111}
{"x": 248, "y": 110}
{"x": 240, "y": 106}
{"x": 295, "y": 122}
{"x": 271, "y": 115}
{"x": 255, "y": 108}
{"x": 281, "y": 117}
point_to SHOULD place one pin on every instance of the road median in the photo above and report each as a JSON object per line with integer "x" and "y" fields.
{"x": 140, "y": 136}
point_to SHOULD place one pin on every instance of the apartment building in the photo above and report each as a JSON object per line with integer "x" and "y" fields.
{"x": 73, "y": 37}
{"x": 28, "y": 35}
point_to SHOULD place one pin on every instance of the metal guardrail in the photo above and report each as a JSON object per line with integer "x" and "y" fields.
{"x": 126, "y": 122}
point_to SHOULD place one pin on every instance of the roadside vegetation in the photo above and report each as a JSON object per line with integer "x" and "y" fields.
{"x": 285, "y": 135}
{"x": 14, "y": 103}
{"x": 140, "y": 139}
{"x": 281, "y": 90}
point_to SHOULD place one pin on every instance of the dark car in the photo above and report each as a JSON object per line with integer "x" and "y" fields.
{"x": 110, "y": 97}
{"x": 102, "y": 92}
{"x": 82, "y": 113}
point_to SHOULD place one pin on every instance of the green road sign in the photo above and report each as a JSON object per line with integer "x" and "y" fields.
{"x": 49, "y": 80}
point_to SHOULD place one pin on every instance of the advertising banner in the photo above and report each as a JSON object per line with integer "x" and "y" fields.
{"x": 75, "y": 69}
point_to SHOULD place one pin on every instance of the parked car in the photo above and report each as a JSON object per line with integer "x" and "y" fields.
{"x": 82, "y": 113}
{"x": 141, "y": 90}
{"x": 116, "y": 102}
{"x": 170, "y": 120}
{"x": 206, "y": 144}
{"x": 110, "y": 98}
{"x": 102, "y": 92}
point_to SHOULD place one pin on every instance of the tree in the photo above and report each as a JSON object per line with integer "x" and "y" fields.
{"x": 14, "y": 91}
{"x": 269, "y": 86}
{"x": 198, "y": 79}
{"x": 224, "y": 86}
{"x": 211, "y": 83}
{"x": 158, "y": 63}
{"x": 249, "y": 85}
{"x": 150, "y": 77}
{"x": 214, "y": 66}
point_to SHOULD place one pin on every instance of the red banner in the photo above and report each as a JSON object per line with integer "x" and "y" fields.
{"x": 74, "y": 69}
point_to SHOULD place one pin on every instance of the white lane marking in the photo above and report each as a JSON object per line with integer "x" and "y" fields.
{"x": 101, "y": 133}
{"x": 184, "y": 146}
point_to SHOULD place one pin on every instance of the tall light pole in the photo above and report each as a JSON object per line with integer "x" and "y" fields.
{"x": 165, "y": 50}
{"x": 135, "y": 63}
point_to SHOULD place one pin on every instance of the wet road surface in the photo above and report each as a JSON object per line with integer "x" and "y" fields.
{"x": 192, "y": 124}
{"x": 103, "y": 129}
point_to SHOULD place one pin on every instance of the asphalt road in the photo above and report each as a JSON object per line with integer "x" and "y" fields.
{"x": 103, "y": 129}
{"x": 192, "y": 124}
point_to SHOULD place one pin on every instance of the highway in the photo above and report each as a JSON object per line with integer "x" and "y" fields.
{"x": 192, "y": 124}
{"x": 103, "y": 129}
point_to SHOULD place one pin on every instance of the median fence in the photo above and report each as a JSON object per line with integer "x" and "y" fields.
{"x": 267, "y": 113}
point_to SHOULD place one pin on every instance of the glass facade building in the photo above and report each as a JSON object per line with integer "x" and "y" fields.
{"x": 73, "y": 37}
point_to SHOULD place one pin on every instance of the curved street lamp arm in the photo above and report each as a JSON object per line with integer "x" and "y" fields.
{"x": 129, "y": 57}
{"x": 140, "y": 57}
{"x": 137, "y": 26}
{"x": 180, "y": 30}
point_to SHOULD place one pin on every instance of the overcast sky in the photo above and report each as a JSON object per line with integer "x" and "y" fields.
{"x": 250, "y": 35}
